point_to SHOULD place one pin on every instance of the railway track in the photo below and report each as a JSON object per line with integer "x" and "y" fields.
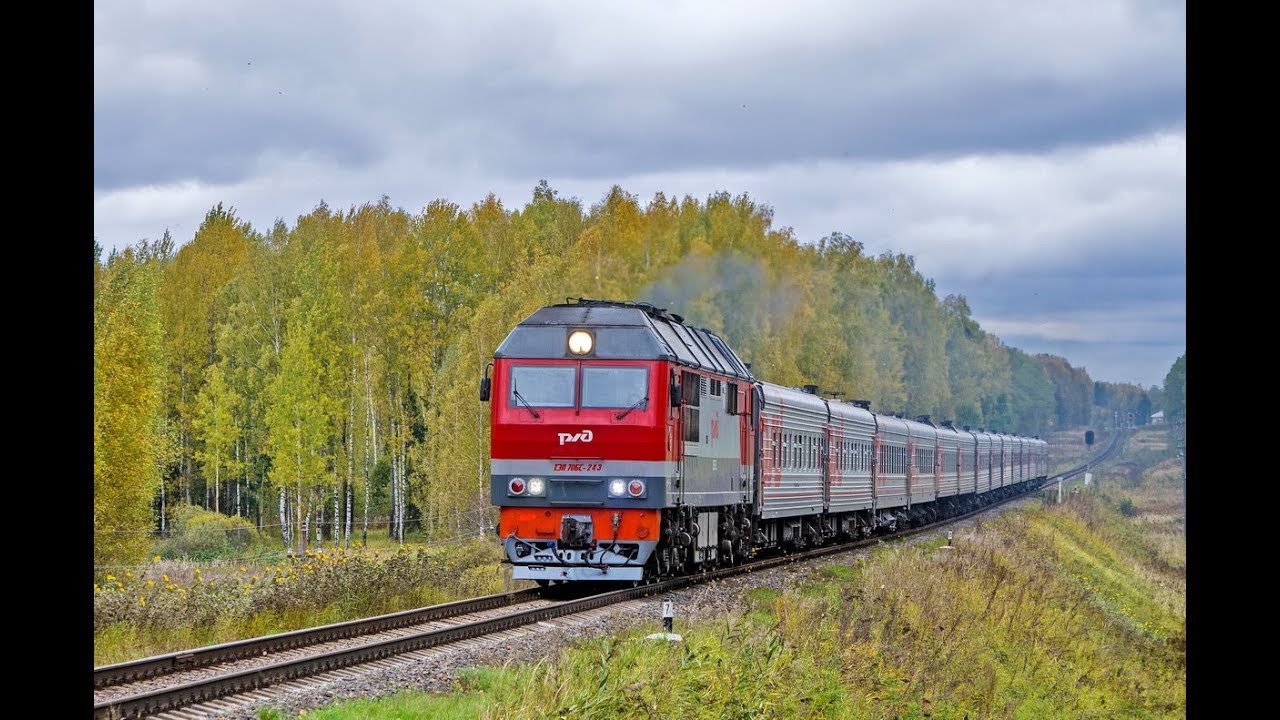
{"x": 174, "y": 683}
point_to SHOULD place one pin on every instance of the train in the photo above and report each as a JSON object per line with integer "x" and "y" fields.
{"x": 629, "y": 446}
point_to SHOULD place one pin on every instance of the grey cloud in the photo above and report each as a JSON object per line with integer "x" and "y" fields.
{"x": 514, "y": 93}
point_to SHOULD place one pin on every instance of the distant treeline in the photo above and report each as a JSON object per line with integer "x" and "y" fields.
{"x": 312, "y": 376}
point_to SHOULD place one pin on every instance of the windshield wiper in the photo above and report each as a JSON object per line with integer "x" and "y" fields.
{"x": 634, "y": 405}
{"x": 527, "y": 406}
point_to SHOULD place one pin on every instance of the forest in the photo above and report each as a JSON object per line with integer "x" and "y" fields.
{"x": 320, "y": 380}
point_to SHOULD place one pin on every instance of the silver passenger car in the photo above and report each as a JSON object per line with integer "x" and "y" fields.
{"x": 793, "y": 437}
{"x": 851, "y": 436}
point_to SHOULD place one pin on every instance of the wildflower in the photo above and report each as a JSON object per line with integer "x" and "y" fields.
{"x": 142, "y": 600}
{"x": 155, "y": 559}
{"x": 166, "y": 578}
{"x": 243, "y": 568}
{"x": 151, "y": 583}
{"x": 110, "y": 576}
{"x": 96, "y": 588}
{"x": 128, "y": 574}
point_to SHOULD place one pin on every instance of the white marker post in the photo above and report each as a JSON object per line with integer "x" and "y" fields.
{"x": 668, "y": 622}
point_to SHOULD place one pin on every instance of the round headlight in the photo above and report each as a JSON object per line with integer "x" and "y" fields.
{"x": 617, "y": 487}
{"x": 580, "y": 342}
{"x": 537, "y": 486}
{"x": 516, "y": 486}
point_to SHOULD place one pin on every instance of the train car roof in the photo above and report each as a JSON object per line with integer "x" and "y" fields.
{"x": 846, "y": 410}
{"x": 793, "y": 397}
{"x": 624, "y": 331}
{"x": 919, "y": 429}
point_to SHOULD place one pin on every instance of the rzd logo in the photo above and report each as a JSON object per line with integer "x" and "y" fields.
{"x": 584, "y": 436}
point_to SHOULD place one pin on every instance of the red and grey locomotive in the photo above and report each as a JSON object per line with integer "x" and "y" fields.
{"x": 628, "y": 446}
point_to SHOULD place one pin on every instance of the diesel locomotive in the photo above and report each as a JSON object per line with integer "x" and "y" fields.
{"x": 629, "y": 446}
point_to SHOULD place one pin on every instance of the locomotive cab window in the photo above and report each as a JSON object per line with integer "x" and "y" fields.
{"x": 542, "y": 386}
{"x": 615, "y": 387}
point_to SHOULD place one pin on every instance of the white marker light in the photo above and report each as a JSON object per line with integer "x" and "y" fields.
{"x": 537, "y": 486}
{"x": 617, "y": 487}
{"x": 580, "y": 342}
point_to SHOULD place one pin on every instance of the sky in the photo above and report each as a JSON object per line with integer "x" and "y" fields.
{"x": 1030, "y": 156}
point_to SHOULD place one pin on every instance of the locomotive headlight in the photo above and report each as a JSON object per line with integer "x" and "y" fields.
{"x": 580, "y": 342}
{"x": 617, "y": 487}
{"x": 537, "y": 486}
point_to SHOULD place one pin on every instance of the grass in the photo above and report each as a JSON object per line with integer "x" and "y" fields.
{"x": 174, "y": 605}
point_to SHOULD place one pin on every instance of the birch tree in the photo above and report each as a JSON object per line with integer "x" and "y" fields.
{"x": 128, "y": 374}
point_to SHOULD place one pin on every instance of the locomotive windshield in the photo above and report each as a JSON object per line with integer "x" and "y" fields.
{"x": 542, "y": 385}
{"x": 554, "y": 386}
{"x": 615, "y": 387}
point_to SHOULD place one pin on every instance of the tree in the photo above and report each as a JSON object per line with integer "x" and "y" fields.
{"x": 128, "y": 366}
{"x": 193, "y": 306}
{"x": 1175, "y": 390}
{"x": 214, "y": 424}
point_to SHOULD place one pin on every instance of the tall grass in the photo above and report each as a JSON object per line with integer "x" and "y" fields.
{"x": 154, "y": 611}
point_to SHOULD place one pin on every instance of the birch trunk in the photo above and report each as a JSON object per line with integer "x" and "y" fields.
{"x": 238, "y": 465}
{"x": 297, "y": 516}
{"x": 284, "y": 523}
{"x": 371, "y": 445}
{"x": 391, "y": 514}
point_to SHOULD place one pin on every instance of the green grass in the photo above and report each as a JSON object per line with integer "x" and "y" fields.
{"x": 401, "y": 706}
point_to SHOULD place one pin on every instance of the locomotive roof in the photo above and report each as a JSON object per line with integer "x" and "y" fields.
{"x": 633, "y": 331}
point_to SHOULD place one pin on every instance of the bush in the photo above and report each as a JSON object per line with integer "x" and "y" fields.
{"x": 1127, "y": 508}
{"x": 200, "y": 534}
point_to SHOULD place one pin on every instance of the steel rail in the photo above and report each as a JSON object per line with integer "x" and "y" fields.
{"x": 133, "y": 670}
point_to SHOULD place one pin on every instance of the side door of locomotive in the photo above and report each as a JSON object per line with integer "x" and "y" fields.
{"x": 689, "y": 467}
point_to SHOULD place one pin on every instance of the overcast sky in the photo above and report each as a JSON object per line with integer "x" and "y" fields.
{"x": 1030, "y": 155}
